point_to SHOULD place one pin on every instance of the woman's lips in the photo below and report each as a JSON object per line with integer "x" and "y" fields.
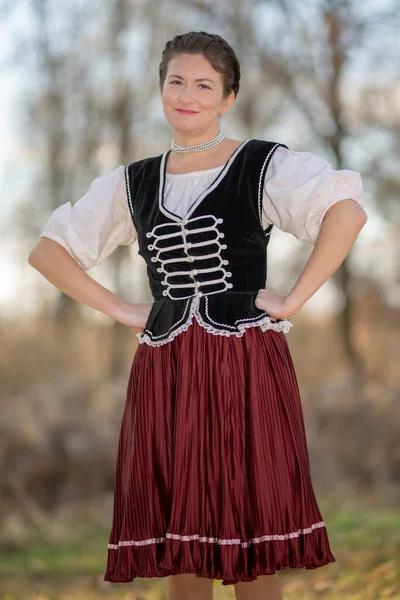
{"x": 186, "y": 112}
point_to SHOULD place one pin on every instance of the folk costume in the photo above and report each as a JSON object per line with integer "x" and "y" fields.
{"x": 212, "y": 473}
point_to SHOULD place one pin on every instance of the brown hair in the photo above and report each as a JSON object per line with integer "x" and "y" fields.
{"x": 213, "y": 47}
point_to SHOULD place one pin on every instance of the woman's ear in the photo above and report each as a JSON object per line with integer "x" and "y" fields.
{"x": 227, "y": 102}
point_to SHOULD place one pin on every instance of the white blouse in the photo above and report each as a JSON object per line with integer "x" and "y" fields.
{"x": 299, "y": 187}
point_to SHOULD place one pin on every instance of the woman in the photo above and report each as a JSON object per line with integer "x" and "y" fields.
{"x": 212, "y": 477}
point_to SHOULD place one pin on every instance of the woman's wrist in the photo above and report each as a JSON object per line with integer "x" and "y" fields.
{"x": 291, "y": 304}
{"x": 118, "y": 308}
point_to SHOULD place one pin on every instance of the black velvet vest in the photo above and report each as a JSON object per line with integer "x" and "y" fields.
{"x": 210, "y": 263}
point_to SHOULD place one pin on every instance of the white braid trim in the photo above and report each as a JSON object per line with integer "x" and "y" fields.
{"x": 223, "y": 542}
{"x": 264, "y": 322}
{"x": 261, "y": 181}
{"x": 145, "y": 337}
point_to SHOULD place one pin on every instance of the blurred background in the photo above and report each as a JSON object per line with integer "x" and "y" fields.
{"x": 79, "y": 97}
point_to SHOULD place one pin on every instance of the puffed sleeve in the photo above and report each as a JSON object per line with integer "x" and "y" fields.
{"x": 96, "y": 224}
{"x": 299, "y": 187}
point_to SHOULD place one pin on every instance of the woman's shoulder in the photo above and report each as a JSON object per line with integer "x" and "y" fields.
{"x": 257, "y": 155}
{"x": 142, "y": 162}
{"x": 256, "y": 144}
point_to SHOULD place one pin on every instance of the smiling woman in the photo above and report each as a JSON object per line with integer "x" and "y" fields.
{"x": 191, "y": 105}
{"x": 212, "y": 476}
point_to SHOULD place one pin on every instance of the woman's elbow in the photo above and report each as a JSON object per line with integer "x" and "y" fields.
{"x": 348, "y": 210}
{"x": 355, "y": 211}
{"x": 357, "y": 218}
{"x": 361, "y": 217}
{"x": 33, "y": 257}
{"x": 39, "y": 252}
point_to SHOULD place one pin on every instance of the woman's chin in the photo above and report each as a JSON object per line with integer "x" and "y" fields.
{"x": 182, "y": 127}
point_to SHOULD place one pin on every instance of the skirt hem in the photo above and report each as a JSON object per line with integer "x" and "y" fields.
{"x": 230, "y": 581}
{"x": 229, "y": 564}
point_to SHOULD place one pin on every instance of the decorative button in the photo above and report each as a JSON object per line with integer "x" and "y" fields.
{"x": 196, "y": 284}
{"x": 186, "y": 231}
{"x": 199, "y": 293}
{"x": 220, "y": 220}
{"x": 194, "y": 272}
{"x": 189, "y": 245}
{"x": 159, "y": 270}
{"x": 221, "y": 235}
{"x": 230, "y": 285}
{"x": 190, "y": 259}
{"x": 225, "y": 262}
{"x": 228, "y": 274}
{"x": 224, "y": 246}
{"x": 150, "y": 246}
{"x": 153, "y": 259}
{"x": 149, "y": 234}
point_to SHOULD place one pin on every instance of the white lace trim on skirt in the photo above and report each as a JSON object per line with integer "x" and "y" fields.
{"x": 245, "y": 544}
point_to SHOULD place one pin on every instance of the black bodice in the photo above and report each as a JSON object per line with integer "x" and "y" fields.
{"x": 210, "y": 263}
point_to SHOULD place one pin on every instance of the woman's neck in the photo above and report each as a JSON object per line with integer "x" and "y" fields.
{"x": 199, "y": 161}
{"x": 189, "y": 139}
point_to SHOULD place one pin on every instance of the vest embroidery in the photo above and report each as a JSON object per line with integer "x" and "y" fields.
{"x": 188, "y": 253}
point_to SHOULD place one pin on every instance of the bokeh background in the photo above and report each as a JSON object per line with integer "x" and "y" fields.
{"x": 79, "y": 96}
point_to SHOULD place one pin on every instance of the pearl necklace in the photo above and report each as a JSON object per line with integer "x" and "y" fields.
{"x": 199, "y": 147}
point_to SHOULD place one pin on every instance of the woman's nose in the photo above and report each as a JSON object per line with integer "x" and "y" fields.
{"x": 185, "y": 93}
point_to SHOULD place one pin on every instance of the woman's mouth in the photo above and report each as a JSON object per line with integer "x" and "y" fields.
{"x": 186, "y": 112}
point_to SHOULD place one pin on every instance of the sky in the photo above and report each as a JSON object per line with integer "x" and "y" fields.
{"x": 16, "y": 277}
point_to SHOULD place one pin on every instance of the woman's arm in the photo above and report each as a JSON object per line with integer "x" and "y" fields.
{"x": 57, "y": 266}
{"x": 338, "y": 231}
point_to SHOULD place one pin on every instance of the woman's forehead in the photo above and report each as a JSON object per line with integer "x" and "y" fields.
{"x": 192, "y": 66}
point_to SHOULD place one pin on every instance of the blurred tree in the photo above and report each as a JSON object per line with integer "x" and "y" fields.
{"x": 48, "y": 110}
{"x": 298, "y": 55}
{"x": 93, "y": 102}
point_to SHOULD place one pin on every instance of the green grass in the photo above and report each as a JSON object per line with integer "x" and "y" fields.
{"x": 366, "y": 544}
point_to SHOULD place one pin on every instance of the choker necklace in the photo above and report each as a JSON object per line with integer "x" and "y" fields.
{"x": 199, "y": 147}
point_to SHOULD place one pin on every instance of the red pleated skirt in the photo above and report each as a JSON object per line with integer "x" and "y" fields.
{"x": 212, "y": 472}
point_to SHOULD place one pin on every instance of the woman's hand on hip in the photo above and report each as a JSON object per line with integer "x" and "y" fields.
{"x": 134, "y": 314}
{"x": 273, "y": 303}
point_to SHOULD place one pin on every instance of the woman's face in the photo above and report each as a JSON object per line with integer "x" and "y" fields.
{"x": 192, "y": 94}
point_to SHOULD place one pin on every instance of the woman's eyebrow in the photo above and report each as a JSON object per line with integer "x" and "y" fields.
{"x": 199, "y": 79}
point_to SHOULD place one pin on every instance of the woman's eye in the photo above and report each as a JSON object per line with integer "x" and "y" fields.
{"x": 203, "y": 85}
